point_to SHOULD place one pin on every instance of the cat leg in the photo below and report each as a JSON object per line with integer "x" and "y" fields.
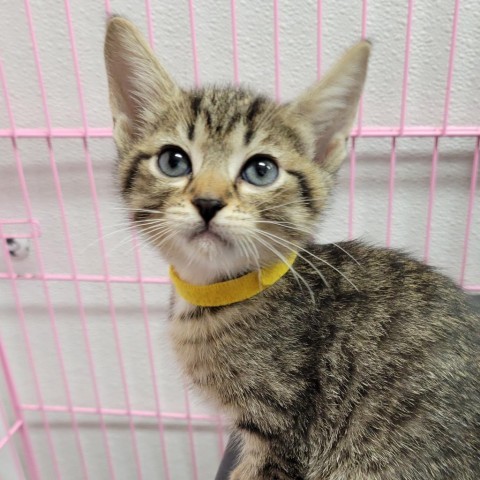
{"x": 264, "y": 460}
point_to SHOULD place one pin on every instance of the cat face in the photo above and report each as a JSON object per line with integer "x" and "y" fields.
{"x": 221, "y": 179}
{"x": 225, "y": 178}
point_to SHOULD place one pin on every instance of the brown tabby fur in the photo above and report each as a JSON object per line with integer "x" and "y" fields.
{"x": 360, "y": 363}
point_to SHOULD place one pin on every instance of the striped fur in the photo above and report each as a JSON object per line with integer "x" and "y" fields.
{"x": 360, "y": 363}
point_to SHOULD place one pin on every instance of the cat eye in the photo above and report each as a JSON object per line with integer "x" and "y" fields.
{"x": 174, "y": 162}
{"x": 260, "y": 170}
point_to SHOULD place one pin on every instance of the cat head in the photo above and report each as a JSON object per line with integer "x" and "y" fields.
{"x": 223, "y": 180}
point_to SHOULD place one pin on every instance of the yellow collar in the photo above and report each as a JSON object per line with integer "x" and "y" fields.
{"x": 231, "y": 291}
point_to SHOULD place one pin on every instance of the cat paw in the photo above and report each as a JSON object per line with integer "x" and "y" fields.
{"x": 243, "y": 472}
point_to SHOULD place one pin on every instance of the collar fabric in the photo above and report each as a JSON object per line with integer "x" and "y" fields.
{"x": 231, "y": 291}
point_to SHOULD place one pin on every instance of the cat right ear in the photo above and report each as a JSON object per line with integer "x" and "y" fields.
{"x": 330, "y": 105}
{"x": 138, "y": 84}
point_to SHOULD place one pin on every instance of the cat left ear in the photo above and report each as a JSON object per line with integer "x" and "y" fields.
{"x": 138, "y": 84}
{"x": 331, "y": 105}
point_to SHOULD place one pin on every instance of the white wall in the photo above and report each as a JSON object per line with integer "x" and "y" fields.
{"x": 341, "y": 27}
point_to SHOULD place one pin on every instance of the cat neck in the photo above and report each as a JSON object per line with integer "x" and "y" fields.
{"x": 206, "y": 273}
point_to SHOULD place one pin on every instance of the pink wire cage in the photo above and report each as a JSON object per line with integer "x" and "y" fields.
{"x": 136, "y": 421}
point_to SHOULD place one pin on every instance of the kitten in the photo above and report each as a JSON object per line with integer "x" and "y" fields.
{"x": 359, "y": 362}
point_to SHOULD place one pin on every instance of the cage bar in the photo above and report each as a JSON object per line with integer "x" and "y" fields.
{"x": 236, "y": 74}
{"x": 7, "y": 440}
{"x": 191, "y": 442}
{"x": 363, "y": 37}
{"x": 471, "y": 203}
{"x": 31, "y": 463}
{"x": 121, "y": 412}
{"x": 193, "y": 34}
{"x": 351, "y": 199}
{"x": 10, "y": 432}
{"x": 366, "y": 132}
{"x": 431, "y": 200}
{"x": 59, "y": 277}
{"x": 103, "y": 252}
{"x": 276, "y": 40}
{"x": 17, "y": 441}
{"x": 149, "y": 13}
{"x": 151, "y": 361}
{"x": 8, "y": 261}
{"x": 406, "y": 65}
{"x": 319, "y": 38}
{"x": 453, "y": 45}
{"x": 69, "y": 245}
{"x": 391, "y": 191}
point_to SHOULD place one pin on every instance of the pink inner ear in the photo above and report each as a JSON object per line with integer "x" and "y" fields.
{"x": 136, "y": 78}
{"x": 334, "y": 154}
{"x": 333, "y": 145}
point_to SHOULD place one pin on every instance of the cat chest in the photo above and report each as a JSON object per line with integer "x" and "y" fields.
{"x": 229, "y": 361}
{"x": 208, "y": 349}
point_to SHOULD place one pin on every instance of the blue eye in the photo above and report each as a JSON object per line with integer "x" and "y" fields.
{"x": 174, "y": 162}
{"x": 260, "y": 170}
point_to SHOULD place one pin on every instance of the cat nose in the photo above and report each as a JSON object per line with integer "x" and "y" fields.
{"x": 208, "y": 207}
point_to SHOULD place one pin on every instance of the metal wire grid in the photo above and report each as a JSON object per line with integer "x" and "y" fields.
{"x": 16, "y": 442}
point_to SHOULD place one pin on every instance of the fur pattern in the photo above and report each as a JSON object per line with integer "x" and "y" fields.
{"x": 360, "y": 363}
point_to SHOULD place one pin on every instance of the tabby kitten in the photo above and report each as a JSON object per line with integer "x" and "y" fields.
{"x": 359, "y": 362}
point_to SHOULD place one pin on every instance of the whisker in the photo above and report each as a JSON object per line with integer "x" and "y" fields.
{"x": 351, "y": 256}
{"x": 163, "y": 237}
{"x": 140, "y": 242}
{"x": 318, "y": 258}
{"x": 278, "y": 240}
{"x": 149, "y": 242}
{"x": 149, "y": 230}
{"x": 297, "y": 276}
{"x": 252, "y": 251}
{"x": 289, "y": 225}
{"x": 241, "y": 244}
{"x": 103, "y": 237}
{"x": 256, "y": 256}
{"x": 125, "y": 226}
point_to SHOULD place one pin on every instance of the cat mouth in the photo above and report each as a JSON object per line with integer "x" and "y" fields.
{"x": 207, "y": 235}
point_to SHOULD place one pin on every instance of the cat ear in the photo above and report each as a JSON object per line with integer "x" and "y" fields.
{"x": 138, "y": 84}
{"x": 331, "y": 105}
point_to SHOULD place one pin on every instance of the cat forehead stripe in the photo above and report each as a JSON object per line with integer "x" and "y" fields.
{"x": 223, "y": 109}
{"x": 253, "y": 111}
{"x": 133, "y": 170}
{"x": 305, "y": 189}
